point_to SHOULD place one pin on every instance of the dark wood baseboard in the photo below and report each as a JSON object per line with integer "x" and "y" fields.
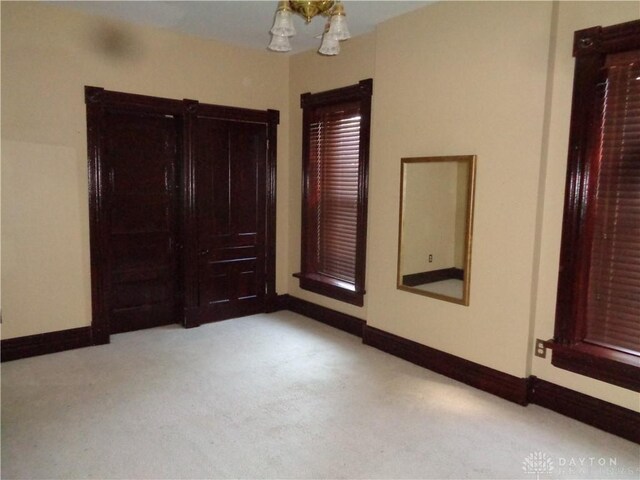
{"x": 40, "y": 344}
{"x": 493, "y": 381}
{"x": 606, "y": 416}
{"x": 421, "y": 278}
{"x": 190, "y": 317}
{"x": 341, "y": 321}
{"x": 281, "y": 302}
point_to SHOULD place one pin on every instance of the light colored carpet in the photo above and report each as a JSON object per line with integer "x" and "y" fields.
{"x": 274, "y": 396}
{"x": 450, "y": 287}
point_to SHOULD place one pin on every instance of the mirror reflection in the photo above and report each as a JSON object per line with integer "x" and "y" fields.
{"x": 436, "y": 216}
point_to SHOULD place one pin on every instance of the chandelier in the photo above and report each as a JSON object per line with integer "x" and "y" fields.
{"x": 335, "y": 30}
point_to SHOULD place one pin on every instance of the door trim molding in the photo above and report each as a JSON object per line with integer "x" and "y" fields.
{"x": 97, "y": 101}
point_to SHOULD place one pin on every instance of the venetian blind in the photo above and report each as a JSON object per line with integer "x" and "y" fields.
{"x": 334, "y": 154}
{"x": 613, "y": 289}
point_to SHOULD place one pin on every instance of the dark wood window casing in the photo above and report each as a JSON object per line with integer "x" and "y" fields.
{"x": 335, "y": 149}
{"x": 597, "y": 330}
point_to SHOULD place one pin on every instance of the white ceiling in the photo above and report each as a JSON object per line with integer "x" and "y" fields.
{"x": 240, "y": 22}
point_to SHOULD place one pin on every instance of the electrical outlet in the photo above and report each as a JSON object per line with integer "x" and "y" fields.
{"x": 541, "y": 348}
{"x": 430, "y": 258}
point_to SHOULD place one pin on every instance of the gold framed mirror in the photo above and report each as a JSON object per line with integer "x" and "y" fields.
{"x": 436, "y": 221}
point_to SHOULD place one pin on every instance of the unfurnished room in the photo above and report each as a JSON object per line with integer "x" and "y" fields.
{"x": 320, "y": 239}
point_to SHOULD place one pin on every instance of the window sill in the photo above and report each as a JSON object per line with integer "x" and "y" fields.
{"x": 331, "y": 287}
{"x": 597, "y": 362}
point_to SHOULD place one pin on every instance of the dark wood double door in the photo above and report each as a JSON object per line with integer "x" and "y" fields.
{"x": 182, "y": 199}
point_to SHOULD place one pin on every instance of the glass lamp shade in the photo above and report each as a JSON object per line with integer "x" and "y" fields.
{"x": 279, "y": 43}
{"x": 330, "y": 45}
{"x": 283, "y": 24}
{"x": 338, "y": 27}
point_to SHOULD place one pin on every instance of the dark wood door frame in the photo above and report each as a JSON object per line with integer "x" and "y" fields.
{"x": 98, "y": 100}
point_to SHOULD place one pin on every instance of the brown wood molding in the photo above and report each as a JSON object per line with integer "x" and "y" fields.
{"x": 604, "y": 364}
{"x": 612, "y": 39}
{"x": 492, "y": 381}
{"x": 330, "y": 287}
{"x": 43, "y": 343}
{"x": 592, "y": 46}
{"x": 238, "y": 114}
{"x": 606, "y": 416}
{"x": 362, "y": 89}
{"x": 187, "y": 114}
{"x": 279, "y": 302}
{"x": 310, "y": 275}
{"x": 421, "y": 278}
{"x": 341, "y": 321}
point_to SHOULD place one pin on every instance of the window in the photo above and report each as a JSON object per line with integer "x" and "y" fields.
{"x": 335, "y": 149}
{"x": 598, "y": 310}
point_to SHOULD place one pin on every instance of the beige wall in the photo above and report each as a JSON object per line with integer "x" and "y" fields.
{"x": 429, "y": 217}
{"x": 484, "y": 78}
{"x": 459, "y": 78}
{"x": 48, "y": 56}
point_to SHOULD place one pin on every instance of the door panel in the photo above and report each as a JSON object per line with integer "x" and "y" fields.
{"x": 182, "y": 211}
{"x": 140, "y": 154}
{"x": 150, "y": 213}
{"x": 230, "y": 162}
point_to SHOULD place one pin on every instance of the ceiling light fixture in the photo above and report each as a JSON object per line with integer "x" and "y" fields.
{"x": 335, "y": 31}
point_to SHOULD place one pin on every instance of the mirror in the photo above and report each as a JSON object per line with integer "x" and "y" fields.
{"x": 436, "y": 217}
